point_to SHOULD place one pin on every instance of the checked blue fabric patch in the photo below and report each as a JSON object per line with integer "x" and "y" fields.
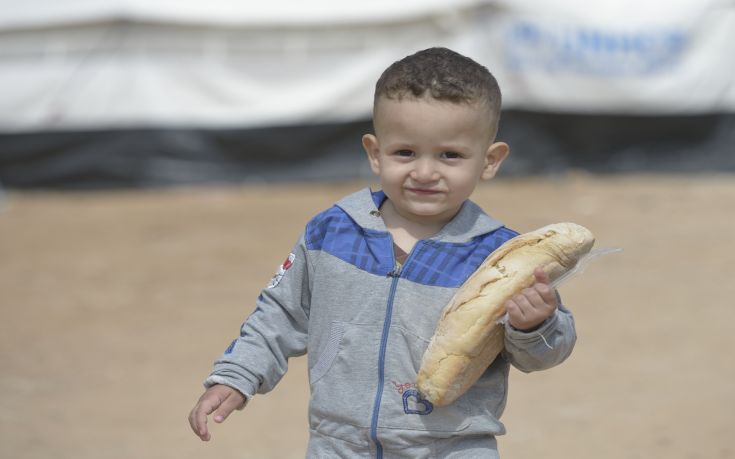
{"x": 434, "y": 263}
{"x": 448, "y": 264}
{"x": 334, "y": 232}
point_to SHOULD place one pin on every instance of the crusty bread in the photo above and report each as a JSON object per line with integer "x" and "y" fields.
{"x": 468, "y": 337}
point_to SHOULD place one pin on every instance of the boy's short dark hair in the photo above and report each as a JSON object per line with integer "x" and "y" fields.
{"x": 442, "y": 74}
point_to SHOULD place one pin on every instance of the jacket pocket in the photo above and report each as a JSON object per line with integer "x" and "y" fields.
{"x": 344, "y": 378}
{"x": 326, "y": 359}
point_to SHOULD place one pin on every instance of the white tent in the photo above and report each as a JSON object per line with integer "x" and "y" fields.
{"x": 82, "y": 64}
{"x": 122, "y": 63}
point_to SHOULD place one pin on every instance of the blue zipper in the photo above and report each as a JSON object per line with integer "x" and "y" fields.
{"x": 395, "y": 274}
{"x": 381, "y": 365}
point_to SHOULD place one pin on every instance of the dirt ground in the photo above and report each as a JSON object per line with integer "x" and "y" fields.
{"x": 115, "y": 304}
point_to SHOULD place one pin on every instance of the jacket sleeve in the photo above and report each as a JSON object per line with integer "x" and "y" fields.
{"x": 275, "y": 331}
{"x": 543, "y": 348}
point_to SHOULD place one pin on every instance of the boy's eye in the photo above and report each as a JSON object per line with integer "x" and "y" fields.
{"x": 451, "y": 155}
{"x": 404, "y": 153}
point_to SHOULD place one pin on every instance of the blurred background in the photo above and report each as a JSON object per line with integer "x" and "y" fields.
{"x": 158, "y": 159}
{"x": 117, "y": 93}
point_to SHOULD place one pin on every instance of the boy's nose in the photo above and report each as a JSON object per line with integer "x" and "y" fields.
{"x": 424, "y": 171}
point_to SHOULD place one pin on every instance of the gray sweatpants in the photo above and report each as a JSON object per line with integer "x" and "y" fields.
{"x": 464, "y": 447}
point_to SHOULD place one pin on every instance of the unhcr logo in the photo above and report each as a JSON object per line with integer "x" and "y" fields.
{"x": 590, "y": 51}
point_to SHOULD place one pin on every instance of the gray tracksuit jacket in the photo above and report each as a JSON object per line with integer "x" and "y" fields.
{"x": 365, "y": 322}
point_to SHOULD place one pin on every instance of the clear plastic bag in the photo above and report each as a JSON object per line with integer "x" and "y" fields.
{"x": 582, "y": 264}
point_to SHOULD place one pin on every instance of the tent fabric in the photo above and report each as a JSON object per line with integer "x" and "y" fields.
{"x": 274, "y": 13}
{"x": 541, "y": 143}
{"x": 103, "y": 64}
{"x": 165, "y": 157}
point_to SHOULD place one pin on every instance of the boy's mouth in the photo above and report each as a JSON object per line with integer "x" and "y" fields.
{"x": 424, "y": 191}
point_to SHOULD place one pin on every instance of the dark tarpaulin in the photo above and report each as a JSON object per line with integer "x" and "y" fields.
{"x": 541, "y": 143}
{"x": 162, "y": 157}
{"x": 544, "y": 143}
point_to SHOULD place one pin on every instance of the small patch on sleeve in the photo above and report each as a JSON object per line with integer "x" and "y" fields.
{"x": 282, "y": 271}
{"x": 231, "y": 347}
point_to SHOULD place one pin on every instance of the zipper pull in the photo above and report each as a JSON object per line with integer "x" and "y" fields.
{"x": 396, "y": 271}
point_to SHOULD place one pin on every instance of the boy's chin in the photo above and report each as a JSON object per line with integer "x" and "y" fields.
{"x": 432, "y": 213}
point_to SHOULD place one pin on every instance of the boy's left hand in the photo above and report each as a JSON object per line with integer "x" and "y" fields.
{"x": 529, "y": 308}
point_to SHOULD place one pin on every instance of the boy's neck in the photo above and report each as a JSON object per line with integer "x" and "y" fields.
{"x": 407, "y": 232}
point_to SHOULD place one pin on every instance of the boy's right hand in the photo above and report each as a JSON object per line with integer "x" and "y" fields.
{"x": 218, "y": 399}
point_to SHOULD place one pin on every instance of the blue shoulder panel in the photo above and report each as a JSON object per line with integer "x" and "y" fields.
{"x": 448, "y": 264}
{"x": 334, "y": 232}
{"x": 435, "y": 263}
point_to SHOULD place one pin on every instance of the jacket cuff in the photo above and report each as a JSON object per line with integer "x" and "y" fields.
{"x": 537, "y": 334}
{"x": 244, "y": 387}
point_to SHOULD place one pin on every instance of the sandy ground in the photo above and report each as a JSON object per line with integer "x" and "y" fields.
{"x": 115, "y": 304}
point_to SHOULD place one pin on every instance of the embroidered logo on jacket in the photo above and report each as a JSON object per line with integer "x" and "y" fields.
{"x": 413, "y": 402}
{"x": 282, "y": 270}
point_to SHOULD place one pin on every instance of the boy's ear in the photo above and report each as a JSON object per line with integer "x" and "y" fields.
{"x": 494, "y": 157}
{"x": 372, "y": 148}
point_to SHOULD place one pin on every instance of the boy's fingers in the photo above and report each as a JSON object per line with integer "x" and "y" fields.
{"x": 198, "y": 416}
{"x": 232, "y": 402}
{"x": 513, "y": 310}
{"x": 520, "y": 311}
{"x": 541, "y": 276}
{"x": 543, "y": 287}
{"x": 524, "y": 302}
{"x": 198, "y": 423}
{"x": 534, "y": 298}
{"x": 548, "y": 295}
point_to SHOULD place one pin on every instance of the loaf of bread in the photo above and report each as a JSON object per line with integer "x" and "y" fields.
{"x": 468, "y": 336}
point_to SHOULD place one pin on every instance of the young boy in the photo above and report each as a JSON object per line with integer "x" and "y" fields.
{"x": 364, "y": 286}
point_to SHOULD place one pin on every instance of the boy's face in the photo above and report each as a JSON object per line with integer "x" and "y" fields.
{"x": 430, "y": 155}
